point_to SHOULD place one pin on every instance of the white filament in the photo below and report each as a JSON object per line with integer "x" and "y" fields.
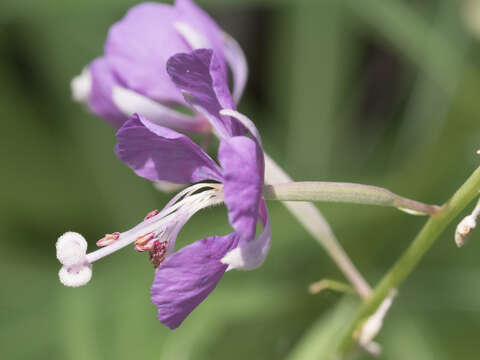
{"x": 169, "y": 220}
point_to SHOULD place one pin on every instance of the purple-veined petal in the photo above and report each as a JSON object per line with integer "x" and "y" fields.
{"x": 188, "y": 276}
{"x": 204, "y": 85}
{"x": 242, "y": 161}
{"x": 249, "y": 255}
{"x": 100, "y": 98}
{"x": 139, "y": 45}
{"x": 158, "y": 153}
{"x": 237, "y": 62}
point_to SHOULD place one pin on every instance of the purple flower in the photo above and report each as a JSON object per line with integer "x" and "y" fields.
{"x": 131, "y": 76}
{"x": 183, "y": 279}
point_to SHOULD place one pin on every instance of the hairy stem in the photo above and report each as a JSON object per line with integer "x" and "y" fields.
{"x": 347, "y": 193}
{"x": 311, "y": 218}
{"x": 411, "y": 257}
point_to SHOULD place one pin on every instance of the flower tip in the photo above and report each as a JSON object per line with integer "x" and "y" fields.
{"x": 75, "y": 276}
{"x": 71, "y": 248}
{"x": 81, "y": 86}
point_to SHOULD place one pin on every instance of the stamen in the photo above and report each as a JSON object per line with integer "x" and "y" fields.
{"x": 144, "y": 242}
{"x": 151, "y": 214}
{"x": 108, "y": 239}
{"x": 167, "y": 222}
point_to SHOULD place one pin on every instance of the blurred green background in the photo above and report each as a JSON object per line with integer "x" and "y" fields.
{"x": 383, "y": 92}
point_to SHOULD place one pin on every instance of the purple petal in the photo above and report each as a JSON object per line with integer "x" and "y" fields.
{"x": 139, "y": 45}
{"x": 198, "y": 20}
{"x": 249, "y": 255}
{"x": 100, "y": 99}
{"x": 161, "y": 154}
{"x": 188, "y": 276}
{"x": 201, "y": 78}
{"x": 242, "y": 161}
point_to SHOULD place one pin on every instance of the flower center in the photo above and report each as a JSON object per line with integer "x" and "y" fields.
{"x": 156, "y": 233}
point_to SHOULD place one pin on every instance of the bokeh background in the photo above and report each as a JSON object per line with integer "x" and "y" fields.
{"x": 383, "y": 92}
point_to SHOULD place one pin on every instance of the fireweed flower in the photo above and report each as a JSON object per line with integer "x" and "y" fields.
{"x": 131, "y": 78}
{"x": 183, "y": 279}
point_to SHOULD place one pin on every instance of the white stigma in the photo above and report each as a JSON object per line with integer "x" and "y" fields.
{"x": 81, "y": 86}
{"x": 75, "y": 276}
{"x": 164, "y": 226}
{"x": 71, "y": 248}
{"x": 72, "y": 254}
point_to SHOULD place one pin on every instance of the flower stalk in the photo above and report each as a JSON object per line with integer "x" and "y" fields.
{"x": 434, "y": 227}
{"x": 311, "y": 218}
{"x": 345, "y": 193}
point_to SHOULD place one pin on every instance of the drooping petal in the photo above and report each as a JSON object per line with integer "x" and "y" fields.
{"x": 139, "y": 45}
{"x": 188, "y": 276}
{"x": 200, "y": 77}
{"x": 237, "y": 62}
{"x": 161, "y": 154}
{"x": 242, "y": 161}
{"x": 100, "y": 98}
{"x": 249, "y": 255}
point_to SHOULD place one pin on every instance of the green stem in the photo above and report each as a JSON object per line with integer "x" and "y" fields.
{"x": 310, "y": 217}
{"x": 346, "y": 193}
{"x": 412, "y": 256}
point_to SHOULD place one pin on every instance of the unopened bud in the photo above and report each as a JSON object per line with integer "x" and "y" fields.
{"x": 374, "y": 323}
{"x": 108, "y": 239}
{"x": 464, "y": 229}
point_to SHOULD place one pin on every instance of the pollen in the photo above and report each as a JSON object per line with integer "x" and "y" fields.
{"x": 157, "y": 253}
